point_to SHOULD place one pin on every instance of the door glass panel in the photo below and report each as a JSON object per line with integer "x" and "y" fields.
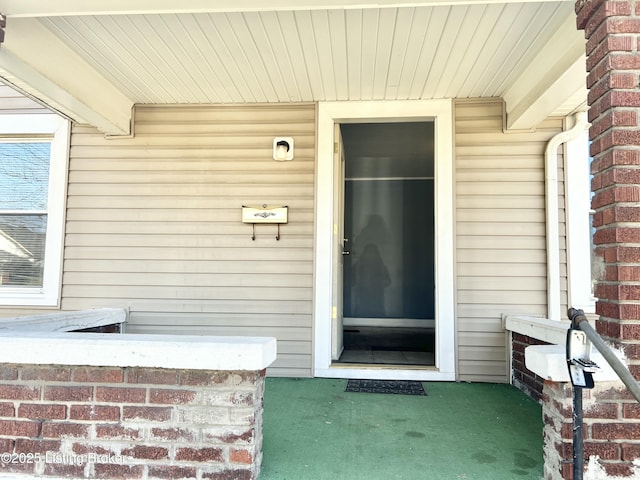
{"x": 389, "y": 220}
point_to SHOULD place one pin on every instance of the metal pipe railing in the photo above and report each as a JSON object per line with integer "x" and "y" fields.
{"x": 579, "y": 320}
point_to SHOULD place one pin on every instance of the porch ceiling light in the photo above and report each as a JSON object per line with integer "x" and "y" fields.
{"x": 283, "y": 148}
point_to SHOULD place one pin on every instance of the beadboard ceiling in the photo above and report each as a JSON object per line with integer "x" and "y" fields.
{"x": 294, "y": 53}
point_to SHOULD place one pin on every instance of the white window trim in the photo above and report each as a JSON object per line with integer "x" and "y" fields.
{"x": 578, "y": 206}
{"x": 330, "y": 113}
{"x": 58, "y": 129}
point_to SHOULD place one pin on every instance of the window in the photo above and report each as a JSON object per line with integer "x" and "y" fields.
{"x": 33, "y": 166}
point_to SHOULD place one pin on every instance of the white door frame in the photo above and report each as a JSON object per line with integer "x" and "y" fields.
{"x": 330, "y": 113}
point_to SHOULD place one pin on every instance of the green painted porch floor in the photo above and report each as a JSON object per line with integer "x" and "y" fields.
{"x": 314, "y": 430}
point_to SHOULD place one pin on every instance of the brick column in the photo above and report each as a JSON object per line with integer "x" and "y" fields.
{"x": 612, "y": 418}
{"x": 612, "y": 30}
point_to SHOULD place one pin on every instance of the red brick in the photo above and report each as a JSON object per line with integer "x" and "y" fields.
{"x": 146, "y": 452}
{"x": 171, "y": 396}
{"x": 98, "y": 375}
{"x": 564, "y": 449}
{"x": 623, "y": 80}
{"x": 630, "y": 331}
{"x": 121, "y": 394}
{"x": 601, "y": 410}
{"x": 102, "y": 413}
{"x": 36, "y": 411}
{"x": 206, "y": 454}
{"x": 17, "y": 428}
{"x": 7, "y": 410}
{"x": 566, "y": 430}
{"x": 173, "y": 434}
{"x": 8, "y": 372}
{"x": 622, "y": 254}
{"x": 631, "y": 410}
{"x": 155, "y": 414}
{"x": 68, "y": 394}
{"x": 632, "y": 351}
{"x": 236, "y": 474}
{"x": 623, "y": 25}
{"x": 85, "y": 448}
{"x": 62, "y": 470}
{"x": 64, "y": 429}
{"x": 617, "y": 157}
{"x": 40, "y": 446}
{"x": 618, "y": 470}
{"x": 617, "y": 235}
{"x": 45, "y": 374}
{"x": 6, "y": 445}
{"x": 166, "y": 471}
{"x": 240, "y": 456}
{"x": 615, "y": 431}
{"x": 118, "y": 432}
{"x": 19, "y": 392}
{"x": 618, "y": 291}
{"x": 152, "y": 376}
{"x": 605, "y": 450}
{"x": 617, "y": 310}
{"x": 623, "y": 175}
{"x": 630, "y": 451}
{"x": 586, "y": 11}
{"x": 114, "y": 471}
{"x": 203, "y": 377}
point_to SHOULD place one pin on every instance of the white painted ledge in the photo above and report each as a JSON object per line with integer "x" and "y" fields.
{"x": 134, "y": 350}
{"x": 550, "y": 331}
{"x": 550, "y": 363}
{"x": 65, "y": 321}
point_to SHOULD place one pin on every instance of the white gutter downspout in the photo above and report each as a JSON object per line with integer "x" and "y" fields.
{"x": 551, "y": 205}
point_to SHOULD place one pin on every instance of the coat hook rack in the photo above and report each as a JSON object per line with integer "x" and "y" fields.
{"x": 264, "y": 214}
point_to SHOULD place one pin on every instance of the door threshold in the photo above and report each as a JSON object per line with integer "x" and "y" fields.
{"x": 385, "y": 372}
{"x": 383, "y": 366}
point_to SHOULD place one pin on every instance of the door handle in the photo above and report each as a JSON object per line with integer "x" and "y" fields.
{"x": 344, "y": 244}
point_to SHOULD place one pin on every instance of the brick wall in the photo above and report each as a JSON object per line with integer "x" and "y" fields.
{"x": 105, "y": 422}
{"x": 521, "y": 377}
{"x": 611, "y": 431}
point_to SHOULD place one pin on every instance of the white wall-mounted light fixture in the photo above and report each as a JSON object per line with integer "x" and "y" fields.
{"x": 283, "y": 148}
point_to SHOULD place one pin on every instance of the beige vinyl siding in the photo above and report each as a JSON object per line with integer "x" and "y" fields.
{"x": 14, "y": 102}
{"x": 500, "y": 233}
{"x": 154, "y": 224}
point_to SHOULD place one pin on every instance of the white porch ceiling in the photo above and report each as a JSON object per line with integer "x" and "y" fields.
{"x": 93, "y": 65}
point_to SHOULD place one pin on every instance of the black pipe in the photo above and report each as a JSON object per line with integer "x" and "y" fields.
{"x": 578, "y": 437}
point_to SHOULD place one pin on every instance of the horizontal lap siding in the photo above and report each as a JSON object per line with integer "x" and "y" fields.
{"x": 153, "y": 224}
{"x": 500, "y": 233}
{"x": 14, "y": 102}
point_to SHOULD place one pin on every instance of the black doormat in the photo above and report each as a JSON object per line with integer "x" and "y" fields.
{"x": 397, "y": 387}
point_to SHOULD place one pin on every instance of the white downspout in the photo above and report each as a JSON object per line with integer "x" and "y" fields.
{"x": 551, "y": 205}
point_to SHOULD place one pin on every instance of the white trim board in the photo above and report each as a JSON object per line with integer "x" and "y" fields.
{"x": 330, "y": 113}
{"x": 23, "y": 127}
